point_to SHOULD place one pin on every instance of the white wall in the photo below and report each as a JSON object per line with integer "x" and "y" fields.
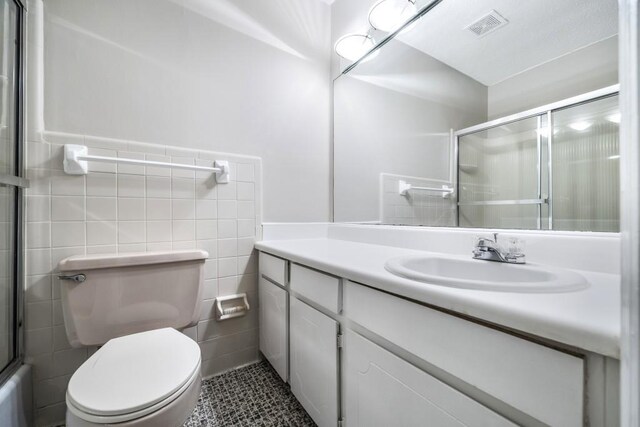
{"x": 590, "y": 68}
{"x": 244, "y": 76}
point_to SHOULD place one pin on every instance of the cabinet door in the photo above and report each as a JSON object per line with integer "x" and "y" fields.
{"x": 273, "y": 325}
{"x": 314, "y": 362}
{"x": 383, "y": 390}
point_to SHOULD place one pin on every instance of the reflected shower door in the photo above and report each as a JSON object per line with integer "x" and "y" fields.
{"x": 586, "y": 166}
{"x": 498, "y": 181}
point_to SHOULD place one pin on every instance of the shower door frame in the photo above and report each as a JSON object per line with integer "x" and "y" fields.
{"x": 540, "y": 112}
{"x": 19, "y": 183}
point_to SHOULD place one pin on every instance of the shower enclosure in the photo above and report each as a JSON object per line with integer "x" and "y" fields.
{"x": 12, "y": 185}
{"x": 551, "y": 168}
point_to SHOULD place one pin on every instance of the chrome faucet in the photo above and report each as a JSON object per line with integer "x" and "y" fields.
{"x": 489, "y": 250}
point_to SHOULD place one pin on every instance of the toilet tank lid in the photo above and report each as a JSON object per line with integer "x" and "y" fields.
{"x": 89, "y": 262}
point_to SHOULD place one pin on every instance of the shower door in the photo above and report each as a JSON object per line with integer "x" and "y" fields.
{"x": 12, "y": 184}
{"x": 553, "y": 168}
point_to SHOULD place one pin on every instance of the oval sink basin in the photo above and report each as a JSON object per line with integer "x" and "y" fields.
{"x": 485, "y": 275}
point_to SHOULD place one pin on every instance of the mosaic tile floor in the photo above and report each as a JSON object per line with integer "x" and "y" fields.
{"x": 250, "y": 396}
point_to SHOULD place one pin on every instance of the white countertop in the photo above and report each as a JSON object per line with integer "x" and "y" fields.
{"x": 588, "y": 319}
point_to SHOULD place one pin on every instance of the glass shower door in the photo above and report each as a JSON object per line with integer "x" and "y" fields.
{"x": 12, "y": 184}
{"x": 585, "y": 166}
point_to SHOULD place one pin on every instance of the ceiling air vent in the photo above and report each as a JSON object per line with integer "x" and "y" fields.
{"x": 487, "y": 24}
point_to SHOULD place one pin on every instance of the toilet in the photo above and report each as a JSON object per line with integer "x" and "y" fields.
{"x": 146, "y": 372}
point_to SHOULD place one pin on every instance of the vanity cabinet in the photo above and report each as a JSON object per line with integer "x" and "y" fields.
{"x": 274, "y": 340}
{"x": 314, "y": 362}
{"x": 383, "y": 390}
{"x": 273, "y": 313}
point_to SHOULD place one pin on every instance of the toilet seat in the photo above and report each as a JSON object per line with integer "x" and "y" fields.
{"x": 132, "y": 376}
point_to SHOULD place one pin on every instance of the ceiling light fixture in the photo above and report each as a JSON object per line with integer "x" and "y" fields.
{"x": 580, "y": 126}
{"x": 614, "y": 118}
{"x": 389, "y": 15}
{"x": 354, "y": 46}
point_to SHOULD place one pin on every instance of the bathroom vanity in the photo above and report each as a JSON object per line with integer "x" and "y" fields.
{"x": 361, "y": 346}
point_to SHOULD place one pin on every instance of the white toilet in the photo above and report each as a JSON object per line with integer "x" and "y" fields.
{"x": 146, "y": 373}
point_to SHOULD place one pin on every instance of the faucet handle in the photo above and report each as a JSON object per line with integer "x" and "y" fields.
{"x": 515, "y": 250}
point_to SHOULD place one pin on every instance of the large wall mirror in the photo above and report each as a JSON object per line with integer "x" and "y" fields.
{"x": 484, "y": 114}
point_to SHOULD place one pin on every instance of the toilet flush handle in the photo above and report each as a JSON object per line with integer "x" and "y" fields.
{"x": 78, "y": 278}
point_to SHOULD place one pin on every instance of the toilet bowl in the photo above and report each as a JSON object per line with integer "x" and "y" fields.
{"x": 151, "y": 378}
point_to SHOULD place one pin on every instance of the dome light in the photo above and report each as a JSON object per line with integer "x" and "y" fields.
{"x": 580, "y": 126}
{"x": 389, "y": 15}
{"x": 354, "y": 46}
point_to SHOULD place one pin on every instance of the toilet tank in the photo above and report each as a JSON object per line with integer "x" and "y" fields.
{"x": 127, "y": 293}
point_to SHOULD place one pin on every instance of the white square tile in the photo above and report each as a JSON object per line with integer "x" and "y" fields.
{"x": 182, "y": 188}
{"x": 159, "y": 246}
{"x": 183, "y": 173}
{"x": 58, "y": 254}
{"x": 66, "y": 185}
{"x": 228, "y": 285}
{"x": 227, "y": 267}
{"x": 183, "y": 245}
{"x": 210, "y": 289}
{"x": 211, "y": 246}
{"x": 101, "y": 184}
{"x": 158, "y": 187}
{"x": 38, "y": 208}
{"x": 183, "y": 209}
{"x": 39, "y": 341}
{"x": 245, "y": 245}
{"x": 227, "y": 229}
{"x": 102, "y": 249}
{"x": 66, "y": 234}
{"x": 67, "y": 208}
{"x": 158, "y": 209}
{"x": 246, "y": 228}
{"x": 184, "y": 230}
{"x": 101, "y": 208}
{"x": 206, "y": 209}
{"x": 131, "y": 209}
{"x": 248, "y": 283}
{"x": 102, "y": 166}
{"x": 38, "y": 288}
{"x": 102, "y": 233}
{"x": 38, "y": 155}
{"x": 246, "y": 191}
{"x": 38, "y": 315}
{"x": 60, "y": 341}
{"x": 38, "y": 235}
{"x": 158, "y": 231}
{"x": 247, "y": 264}
{"x": 67, "y": 361}
{"x": 39, "y": 182}
{"x": 131, "y": 232}
{"x": 130, "y": 169}
{"x": 206, "y": 188}
{"x": 143, "y": 147}
{"x": 131, "y": 185}
{"x": 246, "y": 210}
{"x": 227, "y": 209}
{"x": 245, "y": 172}
{"x": 158, "y": 170}
{"x": 206, "y": 229}
{"x": 211, "y": 269}
{"x": 227, "y": 248}
{"x": 131, "y": 247}
{"x": 227, "y": 191}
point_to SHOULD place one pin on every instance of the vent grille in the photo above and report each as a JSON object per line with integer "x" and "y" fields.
{"x": 487, "y": 24}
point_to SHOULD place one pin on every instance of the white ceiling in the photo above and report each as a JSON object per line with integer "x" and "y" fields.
{"x": 538, "y": 31}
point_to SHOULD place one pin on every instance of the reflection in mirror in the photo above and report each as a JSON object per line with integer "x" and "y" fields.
{"x": 448, "y": 125}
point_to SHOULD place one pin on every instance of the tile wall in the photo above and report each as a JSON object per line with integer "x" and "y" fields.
{"x": 124, "y": 208}
{"x": 418, "y": 207}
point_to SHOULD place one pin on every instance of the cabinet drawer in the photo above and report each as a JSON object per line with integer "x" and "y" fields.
{"x": 274, "y": 268}
{"x": 273, "y": 310}
{"x": 320, "y": 288}
{"x": 404, "y": 395}
{"x": 544, "y": 383}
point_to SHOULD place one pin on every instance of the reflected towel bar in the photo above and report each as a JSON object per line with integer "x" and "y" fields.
{"x": 76, "y": 158}
{"x": 404, "y": 188}
{"x": 505, "y": 202}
